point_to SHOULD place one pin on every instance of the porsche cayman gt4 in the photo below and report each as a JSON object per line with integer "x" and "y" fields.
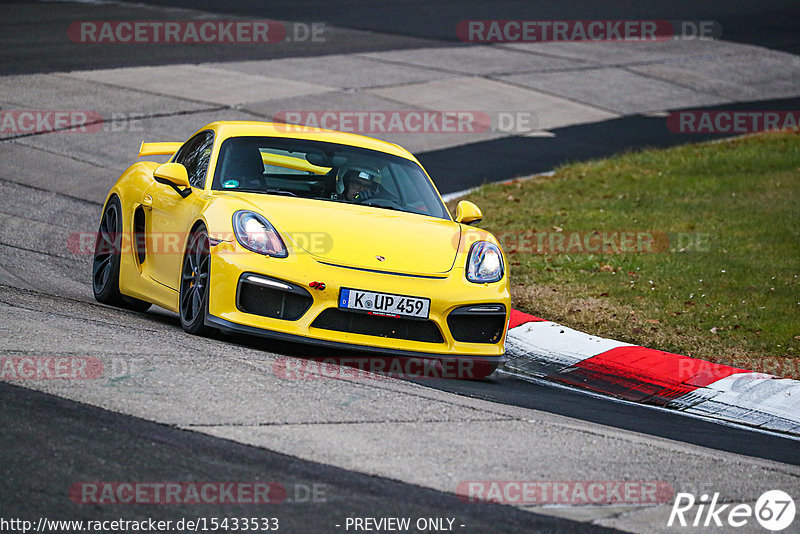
{"x": 306, "y": 235}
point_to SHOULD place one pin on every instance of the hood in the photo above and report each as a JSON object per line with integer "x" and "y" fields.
{"x": 354, "y": 235}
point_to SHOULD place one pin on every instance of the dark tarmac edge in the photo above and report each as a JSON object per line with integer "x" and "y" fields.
{"x": 50, "y": 443}
{"x": 607, "y": 411}
{"x": 770, "y": 24}
{"x": 27, "y": 46}
{"x": 466, "y": 166}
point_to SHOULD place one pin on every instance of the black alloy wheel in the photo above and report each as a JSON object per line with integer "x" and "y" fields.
{"x": 195, "y": 277}
{"x": 107, "y": 258}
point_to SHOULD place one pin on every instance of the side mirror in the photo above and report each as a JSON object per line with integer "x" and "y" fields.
{"x": 175, "y": 176}
{"x": 172, "y": 173}
{"x": 468, "y": 213}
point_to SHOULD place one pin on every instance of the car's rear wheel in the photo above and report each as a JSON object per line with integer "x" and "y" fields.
{"x": 107, "y": 258}
{"x": 195, "y": 278}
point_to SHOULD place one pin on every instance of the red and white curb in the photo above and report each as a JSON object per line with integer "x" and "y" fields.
{"x": 544, "y": 349}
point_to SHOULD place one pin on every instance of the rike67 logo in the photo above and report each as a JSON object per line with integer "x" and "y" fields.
{"x": 774, "y": 510}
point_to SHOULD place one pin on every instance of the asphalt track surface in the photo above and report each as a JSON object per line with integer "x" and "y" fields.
{"x": 539, "y": 395}
{"x": 48, "y": 442}
{"x": 29, "y": 47}
{"x": 63, "y": 442}
{"x": 379, "y": 25}
{"x": 465, "y": 166}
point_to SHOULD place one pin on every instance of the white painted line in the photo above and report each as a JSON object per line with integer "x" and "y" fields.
{"x": 458, "y": 194}
{"x": 538, "y": 133}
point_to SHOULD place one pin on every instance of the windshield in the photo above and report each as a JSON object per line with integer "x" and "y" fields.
{"x": 325, "y": 171}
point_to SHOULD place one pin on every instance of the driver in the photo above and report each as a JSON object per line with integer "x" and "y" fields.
{"x": 360, "y": 184}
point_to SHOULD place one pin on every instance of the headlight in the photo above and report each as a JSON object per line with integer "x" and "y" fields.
{"x": 255, "y": 233}
{"x": 485, "y": 263}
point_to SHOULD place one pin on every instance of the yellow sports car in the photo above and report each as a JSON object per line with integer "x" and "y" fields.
{"x": 306, "y": 235}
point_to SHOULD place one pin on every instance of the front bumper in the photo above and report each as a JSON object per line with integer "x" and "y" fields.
{"x": 229, "y": 262}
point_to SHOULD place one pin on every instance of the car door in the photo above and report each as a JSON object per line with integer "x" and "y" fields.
{"x": 170, "y": 214}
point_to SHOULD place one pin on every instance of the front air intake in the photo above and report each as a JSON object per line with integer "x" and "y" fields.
{"x": 478, "y": 323}
{"x": 376, "y": 325}
{"x": 272, "y": 298}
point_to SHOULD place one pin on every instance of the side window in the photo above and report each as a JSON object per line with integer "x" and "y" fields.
{"x": 194, "y": 155}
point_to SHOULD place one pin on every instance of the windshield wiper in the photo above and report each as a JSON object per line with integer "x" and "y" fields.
{"x": 280, "y": 192}
{"x": 386, "y": 206}
{"x": 259, "y": 190}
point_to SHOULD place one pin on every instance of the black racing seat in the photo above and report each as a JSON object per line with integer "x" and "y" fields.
{"x": 245, "y": 165}
{"x": 329, "y": 183}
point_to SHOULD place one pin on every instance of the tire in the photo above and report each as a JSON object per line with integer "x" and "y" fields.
{"x": 195, "y": 281}
{"x": 107, "y": 258}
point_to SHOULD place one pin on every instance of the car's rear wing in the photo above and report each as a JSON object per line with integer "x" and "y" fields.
{"x": 292, "y": 163}
{"x": 158, "y": 149}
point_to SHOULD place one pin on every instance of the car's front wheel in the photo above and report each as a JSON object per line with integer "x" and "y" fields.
{"x": 107, "y": 258}
{"x": 195, "y": 278}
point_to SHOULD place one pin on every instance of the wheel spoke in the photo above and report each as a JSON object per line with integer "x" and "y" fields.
{"x": 198, "y": 253}
{"x": 104, "y": 274}
{"x": 110, "y": 226}
{"x": 194, "y": 281}
{"x": 104, "y": 224}
{"x": 192, "y": 261}
{"x": 186, "y": 297}
{"x": 107, "y": 241}
{"x": 101, "y": 269}
{"x": 188, "y": 269}
{"x": 190, "y": 310}
{"x": 101, "y": 262}
{"x": 98, "y": 276}
{"x": 196, "y": 302}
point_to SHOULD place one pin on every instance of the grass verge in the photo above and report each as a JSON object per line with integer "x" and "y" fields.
{"x": 693, "y": 249}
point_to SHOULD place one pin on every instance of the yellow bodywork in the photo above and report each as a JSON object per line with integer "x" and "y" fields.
{"x": 327, "y": 242}
{"x": 292, "y": 163}
{"x": 158, "y": 149}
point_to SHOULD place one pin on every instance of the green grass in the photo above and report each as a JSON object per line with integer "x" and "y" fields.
{"x": 731, "y": 297}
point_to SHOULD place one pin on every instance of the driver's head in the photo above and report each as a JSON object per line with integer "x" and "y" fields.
{"x": 360, "y": 184}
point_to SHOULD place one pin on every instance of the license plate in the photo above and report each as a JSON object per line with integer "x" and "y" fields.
{"x": 384, "y": 303}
